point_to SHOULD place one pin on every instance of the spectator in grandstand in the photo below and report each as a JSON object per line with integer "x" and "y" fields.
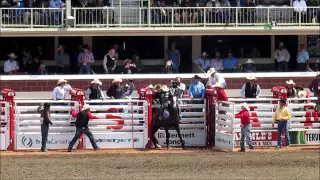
{"x": 129, "y": 67}
{"x": 45, "y": 121}
{"x": 226, "y": 10}
{"x": 114, "y": 92}
{"x": 203, "y": 61}
{"x": 173, "y": 54}
{"x": 300, "y": 8}
{"x": 244, "y": 115}
{"x": 281, "y": 116}
{"x": 82, "y": 121}
{"x": 196, "y": 89}
{"x": 169, "y": 68}
{"x": 85, "y": 59}
{"x": 94, "y": 91}
{"x": 250, "y": 89}
{"x": 292, "y": 92}
{"x": 126, "y": 90}
{"x": 33, "y": 65}
{"x": 230, "y": 64}
{"x": 282, "y": 57}
{"x": 110, "y": 61}
{"x": 24, "y": 64}
{"x": 187, "y": 14}
{"x": 11, "y": 65}
{"x": 42, "y": 70}
{"x": 116, "y": 49}
{"x": 138, "y": 63}
{"x": 60, "y": 91}
{"x": 55, "y": 14}
{"x": 249, "y": 66}
{"x": 217, "y": 62}
{"x": 302, "y": 58}
{"x": 62, "y": 60}
{"x": 215, "y": 78}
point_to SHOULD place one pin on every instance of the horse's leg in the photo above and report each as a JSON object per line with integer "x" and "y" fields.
{"x": 179, "y": 135}
{"x": 167, "y": 137}
{"x": 153, "y": 138}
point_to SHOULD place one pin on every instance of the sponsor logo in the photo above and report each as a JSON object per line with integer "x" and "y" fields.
{"x": 175, "y": 135}
{"x": 258, "y": 136}
{"x": 54, "y": 141}
{"x": 312, "y": 137}
{"x": 125, "y": 140}
{"x": 223, "y": 141}
{"x": 26, "y": 141}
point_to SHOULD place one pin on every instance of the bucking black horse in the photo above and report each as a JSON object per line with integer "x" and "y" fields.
{"x": 168, "y": 116}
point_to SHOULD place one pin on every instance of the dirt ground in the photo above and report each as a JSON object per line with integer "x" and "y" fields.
{"x": 191, "y": 164}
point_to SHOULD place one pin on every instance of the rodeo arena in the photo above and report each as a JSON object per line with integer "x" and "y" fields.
{"x": 148, "y": 89}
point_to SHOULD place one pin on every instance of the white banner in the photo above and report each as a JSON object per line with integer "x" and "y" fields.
{"x": 224, "y": 142}
{"x": 3, "y": 142}
{"x": 190, "y": 137}
{"x": 33, "y": 141}
{"x": 117, "y": 140}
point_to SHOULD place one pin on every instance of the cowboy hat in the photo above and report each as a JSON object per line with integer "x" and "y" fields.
{"x": 127, "y": 60}
{"x": 249, "y": 61}
{"x": 211, "y": 70}
{"x": 290, "y": 82}
{"x": 117, "y": 80}
{"x": 196, "y": 77}
{"x": 283, "y": 101}
{"x": 204, "y": 54}
{"x": 169, "y": 63}
{"x": 96, "y": 81}
{"x": 150, "y": 86}
{"x": 61, "y": 81}
{"x": 246, "y": 106}
{"x": 12, "y": 55}
{"x": 85, "y": 107}
{"x": 302, "y": 94}
{"x": 251, "y": 78}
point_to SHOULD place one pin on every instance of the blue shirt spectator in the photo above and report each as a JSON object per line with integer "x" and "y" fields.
{"x": 303, "y": 55}
{"x": 56, "y": 4}
{"x": 174, "y": 56}
{"x": 230, "y": 63}
{"x": 196, "y": 89}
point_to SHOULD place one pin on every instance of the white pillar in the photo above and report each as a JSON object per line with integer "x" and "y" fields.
{"x": 302, "y": 39}
{"x": 88, "y": 40}
{"x": 196, "y": 46}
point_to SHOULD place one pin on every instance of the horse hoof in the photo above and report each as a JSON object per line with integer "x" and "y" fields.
{"x": 158, "y": 146}
{"x": 168, "y": 147}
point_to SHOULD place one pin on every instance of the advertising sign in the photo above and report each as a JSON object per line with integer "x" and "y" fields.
{"x": 224, "y": 142}
{"x": 33, "y": 141}
{"x": 190, "y": 138}
{"x": 3, "y": 142}
{"x": 307, "y": 137}
{"x": 117, "y": 140}
{"x": 260, "y": 138}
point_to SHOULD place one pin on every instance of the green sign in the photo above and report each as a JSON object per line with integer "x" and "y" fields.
{"x": 305, "y": 137}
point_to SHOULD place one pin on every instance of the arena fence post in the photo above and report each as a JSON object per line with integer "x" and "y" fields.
{"x": 210, "y": 115}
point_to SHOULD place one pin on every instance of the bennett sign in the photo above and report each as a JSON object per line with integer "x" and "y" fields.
{"x": 190, "y": 138}
{"x": 33, "y": 141}
{"x": 117, "y": 140}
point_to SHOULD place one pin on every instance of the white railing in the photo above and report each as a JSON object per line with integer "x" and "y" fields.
{"x": 161, "y": 17}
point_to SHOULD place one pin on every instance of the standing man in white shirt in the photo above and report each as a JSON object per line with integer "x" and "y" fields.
{"x": 216, "y": 79}
{"x": 282, "y": 57}
{"x": 11, "y": 65}
{"x": 302, "y": 58}
{"x": 300, "y": 8}
{"x": 60, "y": 91}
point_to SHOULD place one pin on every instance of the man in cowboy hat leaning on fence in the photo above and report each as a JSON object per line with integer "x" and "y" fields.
{"x": 82, "y": 126}
{"x": 250, "y": 89}
{"x": 244, "y": 115}
{"x": 249, "y": 66}
{"x": 60, "y": 91}
{"x": 281, "y": 116}
{"x": 94, "y": 91}
{"x": 11, "y": 65}
{"x": 215, "y": 78}
{"x": 114, "y": 91}
{"x": 292, "y": 92}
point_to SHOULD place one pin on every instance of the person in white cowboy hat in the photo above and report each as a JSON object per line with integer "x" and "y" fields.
{"x": 60, "y": 91}
{"x": 249, "y": 66}
{"x": 244, "y": 116}
{"x": 114, "y": 92}
{"x": 82, "y": 121}
{"x": 250, "y": 89}
{"x": 282, "y": 57}
{"x": 215, "y": 78}
{"x": 203, "y": 61}
{"x": 292, "y": 91}
{"x": 11, "y": 65}
{"x": 94, "y": 91}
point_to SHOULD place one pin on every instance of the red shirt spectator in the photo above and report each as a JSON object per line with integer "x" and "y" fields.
{"x": 244, "y": 114}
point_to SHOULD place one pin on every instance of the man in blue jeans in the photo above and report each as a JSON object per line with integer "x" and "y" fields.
{"x": 82, "y": 126}
{"x": 85, "y": 60}
{"x": 281, "y": 117}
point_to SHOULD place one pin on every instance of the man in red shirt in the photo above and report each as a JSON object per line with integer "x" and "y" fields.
{"x": 82, "y": 126}
{"x": 245, "y": 127}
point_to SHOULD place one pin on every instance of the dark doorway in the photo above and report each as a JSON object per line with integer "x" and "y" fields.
{"x": 72, "y": 47}
{"x": 291, "y": 43}
{"x": 184, "y": 45}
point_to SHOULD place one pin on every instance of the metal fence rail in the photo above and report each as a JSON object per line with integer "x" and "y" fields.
{"x": 161, "y": 17}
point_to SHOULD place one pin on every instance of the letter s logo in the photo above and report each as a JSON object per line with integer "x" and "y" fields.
{"x": 26, "y": 142}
